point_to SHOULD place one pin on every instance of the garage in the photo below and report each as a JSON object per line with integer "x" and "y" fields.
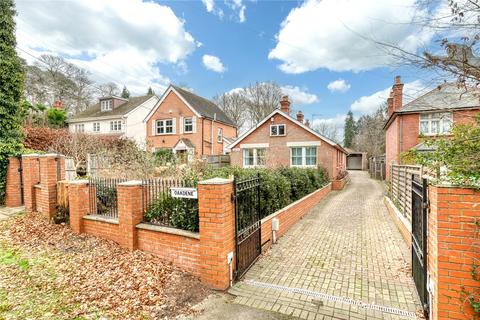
{"x": 356, "y": 160}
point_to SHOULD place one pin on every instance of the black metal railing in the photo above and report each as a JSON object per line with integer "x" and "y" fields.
{"x": 160, "y": 208}
{"x": 103, "y": 198}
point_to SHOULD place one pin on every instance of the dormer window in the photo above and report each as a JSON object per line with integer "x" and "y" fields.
{"x": 277, "y": 130}
{"x": 106, "y": 105}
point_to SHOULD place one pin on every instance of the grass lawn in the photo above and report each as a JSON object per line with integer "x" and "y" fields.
{"x": 47, "y": 272}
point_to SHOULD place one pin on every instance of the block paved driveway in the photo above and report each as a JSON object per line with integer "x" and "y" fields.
{"x": 343, "y": 260}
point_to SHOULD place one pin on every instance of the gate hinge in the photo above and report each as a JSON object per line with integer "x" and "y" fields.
{"x": 233, "y": 197}
{"x": 425, "y": 205}
{"x": 20, "y": 169}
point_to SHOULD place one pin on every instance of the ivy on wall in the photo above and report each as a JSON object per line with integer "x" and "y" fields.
{"x": 11, "y": 92}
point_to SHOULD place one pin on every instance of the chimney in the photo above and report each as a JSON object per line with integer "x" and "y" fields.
{"x": 390, "y": 104}
{"x": 307, "y": 123}
{"x": 397, "y": 94}
{"x": 285, "y": 105}
{"x": 300, "y": 116}
{"x": 58, "y": 104}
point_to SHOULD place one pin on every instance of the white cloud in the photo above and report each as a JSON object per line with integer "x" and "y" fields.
{"x": 336, "y": 34}
{"x": 368, "y": 104}
{"x": 299, "y": 96}
{"x": 213, "y": 63}
{"x": 339, "y": 85}
{"x": 209, "y": 5}
{"x": 124, "y": 39}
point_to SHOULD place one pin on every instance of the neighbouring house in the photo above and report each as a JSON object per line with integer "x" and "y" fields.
{"x": 190, "y": 125}
{"x": 281, "y": 140}
{"x": 429, "y": 116}
{"x": 116, "y": 116}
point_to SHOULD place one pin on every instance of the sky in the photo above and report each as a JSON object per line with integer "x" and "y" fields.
{"x": 323, "y": 54}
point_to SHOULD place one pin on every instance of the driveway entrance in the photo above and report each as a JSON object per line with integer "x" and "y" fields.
{"x": 344, "y": 260}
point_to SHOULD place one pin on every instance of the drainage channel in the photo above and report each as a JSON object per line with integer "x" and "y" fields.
{"x": 325, "y": 296}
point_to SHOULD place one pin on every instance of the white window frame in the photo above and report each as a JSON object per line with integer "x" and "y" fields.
{"x": 278, "y": 130}
{"x": 444, "y": 120}
{"x": 220, "y": 135}
{"x": 96, "y": 127}
{"x": 106, "y": 105}
{"x": 255, "y": 157}
{"x": 116, "y": 126}
{"x": 304, "y": 157}
{"x": 185, "y": 124}
{"x": 161, "y": 125}
{"x": 80, "y": 127}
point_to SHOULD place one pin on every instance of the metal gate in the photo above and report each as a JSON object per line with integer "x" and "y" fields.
{"x": 247, "y": 224}
{"x": 20, "y": 174}
{"x": 419, "y": 238}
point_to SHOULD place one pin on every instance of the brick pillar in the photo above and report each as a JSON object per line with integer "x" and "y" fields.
{"x": 50, "y": 174}
{"x": 217, "y": 231}
{"x": 13, "y": 189}
{"x": 130, "y": 212}
{"x": 78, "y": 203}
{"x": 31, "y": 177}
{"x": 453, "y": 250}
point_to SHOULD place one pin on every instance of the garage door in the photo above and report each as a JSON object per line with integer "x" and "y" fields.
{"x": 354, "y": 162}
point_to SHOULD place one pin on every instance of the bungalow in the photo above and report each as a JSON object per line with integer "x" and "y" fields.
{"x": 188, "y": 124}
{"x": 281, "y": 140}
{"x": 115, "y": 116}
{"x": 428, "y": 116}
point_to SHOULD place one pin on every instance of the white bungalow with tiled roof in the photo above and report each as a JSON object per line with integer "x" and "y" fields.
{"x": 116, "y": 116}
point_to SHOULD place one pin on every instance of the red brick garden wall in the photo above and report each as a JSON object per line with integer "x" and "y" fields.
{"x": 102, "y": 229}
{"x": 13, "y": 191}
{"x": 289, "y": 215}
{"x": 453, "y": 249}
{"x": 180, "y": 250}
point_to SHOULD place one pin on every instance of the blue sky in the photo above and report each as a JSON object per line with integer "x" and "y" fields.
{"x": 216, "y": 46}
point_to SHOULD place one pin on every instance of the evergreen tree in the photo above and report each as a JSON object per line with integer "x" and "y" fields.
{"x": 125, "y": 93}
{"x": 11, "y": 91}
{"x": 349, "y": 130}
{"x": 150, "y": 91}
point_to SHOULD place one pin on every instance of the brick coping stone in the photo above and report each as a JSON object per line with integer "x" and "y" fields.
{"x": 96, "y": 217}
{"x": 178, "y": 232}
{"x": 216, "y": 181}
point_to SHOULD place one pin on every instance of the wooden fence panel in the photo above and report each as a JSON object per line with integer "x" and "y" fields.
{"x": 401, "y": 186}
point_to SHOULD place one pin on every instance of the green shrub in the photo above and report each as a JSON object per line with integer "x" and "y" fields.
{"x": 164, "y": 156}
{"x": 56, "y": 118}
{"x": 173, "y": 212}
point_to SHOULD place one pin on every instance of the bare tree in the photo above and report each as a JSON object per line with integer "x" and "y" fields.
{"x": 109, "y": 89}
{"x": 261, "y": 99}
{"x": 370, "y": 136}
{"x": 233, "y": 104}
{"x": 331, "y": 130}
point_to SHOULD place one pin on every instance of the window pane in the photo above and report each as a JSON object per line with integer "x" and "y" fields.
{"x": 248, "y": 157}
{"x": 424, "y": 127}
{"x": 446, "y": 125}
{"x": 260, "y": 157}
{"x": 281, "y": 129}
{"x": 187, "y": 125}
{"x": 297, "y": 156}
{"x": 311, "y": 156}
{"x": 435, "y": 126}
{"x": 273, "y": 130}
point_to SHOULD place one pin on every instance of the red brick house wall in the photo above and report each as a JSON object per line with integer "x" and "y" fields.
{"x": 203, "y": 132}
{"x": 278, "y": 153}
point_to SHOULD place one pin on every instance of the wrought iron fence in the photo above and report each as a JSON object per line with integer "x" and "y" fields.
{"x": 103, "y": 199}
{"x": 160, "y": 208}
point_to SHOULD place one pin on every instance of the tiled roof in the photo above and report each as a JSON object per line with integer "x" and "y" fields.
{"x": 94, "y": 111}
{"x": 204, "y": 106}
{"x": 445, "y": 96}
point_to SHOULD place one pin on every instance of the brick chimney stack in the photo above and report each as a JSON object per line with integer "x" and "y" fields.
{"x": 397, "y": 94}
{"x": 58, "y": 104}
{"x": 285, "y": 105}
{"x": 390, "y": 104}
{"x": 300, "y": 116}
